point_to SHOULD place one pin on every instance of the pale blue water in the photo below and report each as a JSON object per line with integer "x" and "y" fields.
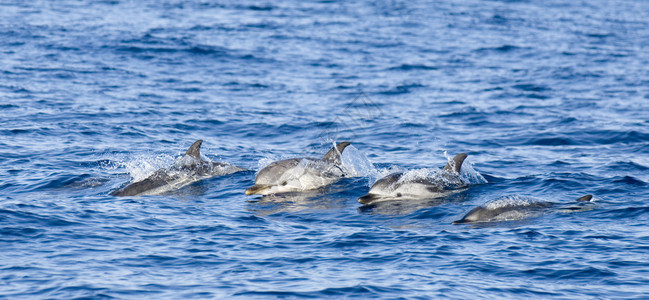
{"x": 550, "y": 99}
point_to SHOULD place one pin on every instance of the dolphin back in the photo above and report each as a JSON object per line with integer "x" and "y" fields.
{"x": 455, "y": 165}
{"x": 333, "y": 156}
{"x": 194, "y": 150}
{"x": 585, "y": 198}
{"x": 188, "y": 169}
{"x": 507, "y": 208}
{"x": 156, "y": 180}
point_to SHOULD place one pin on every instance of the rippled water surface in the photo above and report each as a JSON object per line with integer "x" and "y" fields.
{"x": 550, "y": 99}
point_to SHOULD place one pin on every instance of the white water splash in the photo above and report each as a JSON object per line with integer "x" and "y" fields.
{"x": 265, "y": 161}
{"x": 356, "y": 164}
{"x": 469, "y": 175}
{"x": 382, "y": 172}
{"x": 185, "y": 160}
{"x": 423, "y": 173}
{"x": 143, "y": 165}
{"x": 511, "y": 200}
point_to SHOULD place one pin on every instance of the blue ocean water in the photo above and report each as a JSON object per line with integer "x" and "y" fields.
{"x": 550, "y": 99}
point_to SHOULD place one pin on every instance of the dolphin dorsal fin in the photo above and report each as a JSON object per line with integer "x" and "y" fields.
{"x": 585, "y": 198}
{"x": 195, "y": 150}
{"x": 456, "y": 164}
{"x": 333, "y": 156}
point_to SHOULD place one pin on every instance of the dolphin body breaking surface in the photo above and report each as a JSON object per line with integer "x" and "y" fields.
{"x": 300, "y": 174}
{"x": 393, "y": 187}
{"x": 186, "y": 170}
{"x": 512, "y": 208}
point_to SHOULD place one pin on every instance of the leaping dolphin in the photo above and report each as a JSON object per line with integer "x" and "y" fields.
{"x": 186, "y": 170}
{"x": 395, "y": 187}
{"x": 511, "y": 208}
{"x": 300, "y": 174}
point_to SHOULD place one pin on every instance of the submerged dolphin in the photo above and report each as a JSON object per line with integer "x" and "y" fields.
{"x": 512, "y": 208}
{"x": 393, "y": 187}
{"x": 300, "y": 174}
{"x": 186, "y": 170}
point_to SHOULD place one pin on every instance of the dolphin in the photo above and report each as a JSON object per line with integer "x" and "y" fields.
{"x": 396, "y": 187}
{"x": 186, "y": 170}
{"x": 514, "y": 207}
{"x": 300, "y": 174}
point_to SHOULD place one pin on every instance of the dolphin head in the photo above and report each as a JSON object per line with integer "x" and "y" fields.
{"x": 478, "y": 214}
{"x": 383, "y": 189}
{"x": 276, "y": 178}
{"x": 402, "y": 191}
{"x": 298, "y": 174}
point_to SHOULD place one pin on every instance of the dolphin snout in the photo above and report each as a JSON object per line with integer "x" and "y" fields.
{"x": 367, "y": 199}
{"x": 256, "y": 189}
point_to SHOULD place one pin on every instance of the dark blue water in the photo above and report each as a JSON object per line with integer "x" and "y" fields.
{"x": 550, "y": 99}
